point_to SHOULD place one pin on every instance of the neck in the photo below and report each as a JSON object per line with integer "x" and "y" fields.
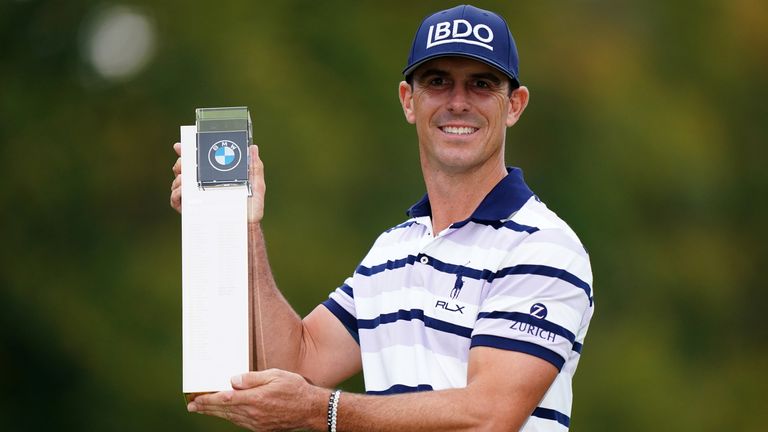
{"x": 454, "y": 196}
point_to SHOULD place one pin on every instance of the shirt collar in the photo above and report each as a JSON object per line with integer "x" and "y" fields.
{"x": 507, "y": 197}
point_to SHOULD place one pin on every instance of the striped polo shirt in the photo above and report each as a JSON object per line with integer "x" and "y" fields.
{"x": 512, "y": 276}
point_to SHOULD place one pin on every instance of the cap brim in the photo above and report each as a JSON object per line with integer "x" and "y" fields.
{"x": 409, "y": 70}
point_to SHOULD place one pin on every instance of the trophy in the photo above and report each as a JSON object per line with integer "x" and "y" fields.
{"x": 216, "y": 298}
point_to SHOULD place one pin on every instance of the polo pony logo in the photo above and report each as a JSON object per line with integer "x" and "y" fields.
{"x": 460, "y": 30}
{"x": 457, "y": 287}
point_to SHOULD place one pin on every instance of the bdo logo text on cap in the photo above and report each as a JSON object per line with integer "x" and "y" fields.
{"x": 458, "y": 30}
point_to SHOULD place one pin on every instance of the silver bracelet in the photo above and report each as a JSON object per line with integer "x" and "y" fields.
{"x": 333, "y": 409}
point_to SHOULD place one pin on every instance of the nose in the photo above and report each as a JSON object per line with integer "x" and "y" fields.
{"x": 458, "y": 100}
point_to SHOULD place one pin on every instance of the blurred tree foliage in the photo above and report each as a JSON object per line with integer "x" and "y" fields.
{"x": 646, "y": 131}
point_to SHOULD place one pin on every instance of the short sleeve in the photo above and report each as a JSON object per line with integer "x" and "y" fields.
{"x": 537, "y": 301}
{"x": 341, "y": 303}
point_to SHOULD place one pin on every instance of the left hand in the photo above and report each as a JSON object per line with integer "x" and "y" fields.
{"x": 267, "y": 401}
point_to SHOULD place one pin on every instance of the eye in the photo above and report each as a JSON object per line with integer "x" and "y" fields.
{"x": 482, "y": 84}
{"x": 436, "y": 81}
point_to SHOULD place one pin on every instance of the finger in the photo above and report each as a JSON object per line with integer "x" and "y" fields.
{"x": 177, "y": 166}
{"x": 211, "y": 410}
{"x": 177, "y": 148}
{"x": 176, "y": 199}
{"x": 212, "y": 402}
{"x": 176, "y": 182}
{"x": 221, "y": 405}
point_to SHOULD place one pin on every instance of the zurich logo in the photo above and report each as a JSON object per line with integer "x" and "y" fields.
{"x": 539, "y": 311}
{"x": 224, "y": 155}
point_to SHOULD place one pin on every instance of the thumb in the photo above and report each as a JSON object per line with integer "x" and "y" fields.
{"x": 255, "y": 166}
{"x": 251, "y": 380}
{"x": 256, "y": 179}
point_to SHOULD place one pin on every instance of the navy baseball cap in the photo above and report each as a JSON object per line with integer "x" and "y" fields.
{"x": 465, "y": 31}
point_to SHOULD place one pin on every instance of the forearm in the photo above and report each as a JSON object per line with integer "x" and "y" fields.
{"x": 503, "y": 388}
{"x": 463, "y": 409}
{"x": 424, "y": 411}
{"x": 277, "y": 329}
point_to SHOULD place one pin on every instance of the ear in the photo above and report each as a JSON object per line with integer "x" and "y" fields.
{"x": 518, "y": 100}
{"x": 406, "y": 100}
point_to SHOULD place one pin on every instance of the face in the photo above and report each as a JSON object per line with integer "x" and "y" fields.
{"x": 461, "y": 109}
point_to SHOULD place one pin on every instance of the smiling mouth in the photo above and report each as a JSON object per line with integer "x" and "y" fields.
{"x": 458, "y": 130}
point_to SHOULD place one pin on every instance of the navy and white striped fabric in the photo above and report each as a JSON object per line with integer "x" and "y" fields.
{"x": 513, "y": 276}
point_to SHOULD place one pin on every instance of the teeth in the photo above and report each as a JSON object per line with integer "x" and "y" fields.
{"x": 458, "y": 130}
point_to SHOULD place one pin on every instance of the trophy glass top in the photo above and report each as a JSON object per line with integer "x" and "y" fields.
{"x": 223, "y": 119}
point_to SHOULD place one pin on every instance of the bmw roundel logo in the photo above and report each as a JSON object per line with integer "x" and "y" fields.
{"x": 224, "y": 155}
{"x": 539, "y": 311}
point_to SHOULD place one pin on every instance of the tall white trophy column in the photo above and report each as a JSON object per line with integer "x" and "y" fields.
{"x": 216, "y": 341}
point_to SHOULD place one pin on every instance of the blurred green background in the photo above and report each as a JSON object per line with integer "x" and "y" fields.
{"x": 646, "y": 131}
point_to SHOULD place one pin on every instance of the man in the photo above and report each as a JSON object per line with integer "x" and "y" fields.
{"x": 471, "y": 314}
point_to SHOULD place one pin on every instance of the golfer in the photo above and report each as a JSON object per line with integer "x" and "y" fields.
{"x": 470, "y": 314}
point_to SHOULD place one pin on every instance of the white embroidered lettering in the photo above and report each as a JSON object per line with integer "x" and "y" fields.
{"x": 459, "y": 31}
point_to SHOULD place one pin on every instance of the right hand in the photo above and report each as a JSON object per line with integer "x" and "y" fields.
{"x": 255, "y": 177}
{"x": 176, "y": 184}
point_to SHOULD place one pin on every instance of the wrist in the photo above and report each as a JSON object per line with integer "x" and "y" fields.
{"x": 317, "y": 418}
